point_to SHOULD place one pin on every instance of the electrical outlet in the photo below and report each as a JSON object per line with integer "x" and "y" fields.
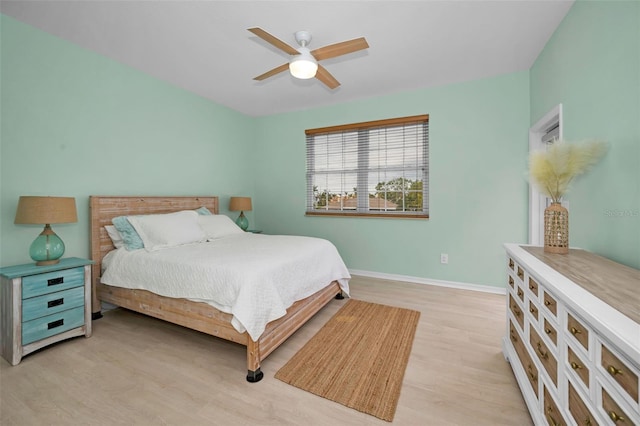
{"x": 444, "y": 258}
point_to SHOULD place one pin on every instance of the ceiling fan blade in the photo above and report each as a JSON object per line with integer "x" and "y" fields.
{"x": 276, "y": 70}
{"x": 274, "y": 41}
{"x": 340, "y": 49}
{"x": 325, "y": 76}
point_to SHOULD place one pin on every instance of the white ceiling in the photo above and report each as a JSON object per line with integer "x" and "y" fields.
{"x": 204, "y": 46}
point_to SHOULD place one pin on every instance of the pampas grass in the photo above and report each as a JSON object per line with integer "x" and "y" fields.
{"x": 553, "y": 170}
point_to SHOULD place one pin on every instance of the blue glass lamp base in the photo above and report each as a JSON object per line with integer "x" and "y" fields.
{"x": 47, "y": 248}
{"x": 242, "y": 221}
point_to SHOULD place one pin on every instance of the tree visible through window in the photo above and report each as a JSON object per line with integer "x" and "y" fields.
{"x": 378, "y": 168}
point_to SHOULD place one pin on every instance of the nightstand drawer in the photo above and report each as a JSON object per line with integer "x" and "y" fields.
{"x": 52, "y": 303}
{"x": 37, "y": 285}
{"x": 50, "y": 325}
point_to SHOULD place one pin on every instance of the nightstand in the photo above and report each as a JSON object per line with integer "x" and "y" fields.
{"x": 41, "y": 305}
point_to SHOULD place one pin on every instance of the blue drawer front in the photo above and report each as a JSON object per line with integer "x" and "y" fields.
{"x": 50, "y": 325}
{"x": 52, "y": 303}
{"x": 37, "y": 285}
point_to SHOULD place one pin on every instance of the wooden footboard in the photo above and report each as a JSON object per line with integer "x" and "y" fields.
{"x": 207, "y": 319}
{"x": 194, "y": 315}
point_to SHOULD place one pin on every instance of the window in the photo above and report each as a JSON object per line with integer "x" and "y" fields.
{"x": 377, "y": 168}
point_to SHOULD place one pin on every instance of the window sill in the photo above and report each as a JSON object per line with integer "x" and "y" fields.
{"x": 370, "y": 215}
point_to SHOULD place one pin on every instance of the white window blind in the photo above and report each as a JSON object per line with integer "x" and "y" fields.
{"x": 378, "y": 168}
{"x": 552, "y": 133}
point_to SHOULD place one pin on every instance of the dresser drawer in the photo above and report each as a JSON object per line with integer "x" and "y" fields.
{"x": 533, "y": 286}
{"x": 533, "y": 310}
{"x": 550, "y": 303}
{"x": 578, "y": 331}
{"x": 50, "y": 325}
{"x": 544, "y": 354}
{"x": 622, "y": 374}
{"x": 578, "y": 409}
{"x": 517, "y": 312}
{"x": 527, "y": 363}
{"x": 578, "y": 366}
{"x": 52, "y": 303}
{"x": 613, "y": 410}
{"x": 551, "y": 412}
{"x": 550, "y": 331}
{"x": 37, "y": 285}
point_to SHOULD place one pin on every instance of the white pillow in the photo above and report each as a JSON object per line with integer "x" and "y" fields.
{"x": 115, "y": 236}
{"x": 218, "y": 226}
{"x": 159, "y": 231}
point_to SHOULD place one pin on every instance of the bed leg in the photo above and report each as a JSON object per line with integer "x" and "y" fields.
{"x": 254, "y": 375}
{"x": 96, "y": 315}
{"x": 339, "y": 296}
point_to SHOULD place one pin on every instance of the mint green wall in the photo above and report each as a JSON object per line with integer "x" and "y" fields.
{"x": 75, "y": 124}
{"x": 592, "y": 66}
{"x": 112, "y": 130}
{"x": 478, "y": 193}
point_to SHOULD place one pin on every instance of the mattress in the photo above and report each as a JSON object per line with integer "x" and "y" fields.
{"x": 253, "y": 277}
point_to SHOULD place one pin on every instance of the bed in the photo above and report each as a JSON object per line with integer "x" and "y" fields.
{"x": 182, "y": 311}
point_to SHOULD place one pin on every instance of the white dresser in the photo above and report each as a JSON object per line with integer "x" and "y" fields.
{"x": 573, "y": 336}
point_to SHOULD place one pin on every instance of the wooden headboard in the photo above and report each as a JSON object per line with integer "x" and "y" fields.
{"x": 105, "y": 208}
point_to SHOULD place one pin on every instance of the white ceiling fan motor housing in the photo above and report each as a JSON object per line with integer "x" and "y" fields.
{"x": 304, "y": 65}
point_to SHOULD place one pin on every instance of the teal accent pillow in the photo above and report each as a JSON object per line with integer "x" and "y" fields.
{"x": 132, "y": 240}
{"x": 203, "y": 211}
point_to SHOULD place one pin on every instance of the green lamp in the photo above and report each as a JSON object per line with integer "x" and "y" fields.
{"x": 241, "y": 204}
{"x": 47, "y": 248}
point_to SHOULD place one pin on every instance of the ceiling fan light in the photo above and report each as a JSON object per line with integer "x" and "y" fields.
{"x": 303, "y": 66}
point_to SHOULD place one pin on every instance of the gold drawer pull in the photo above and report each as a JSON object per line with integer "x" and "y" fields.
{"x": 613, "y": 371}
{"x": 532, "y": 287}
{"x": 516, "y": 311}
{"x": 511, "y": 281}
{"x": 575, "y": 331}
{"x": 548, "y": 331}
{"x": 511, "y": 263}
{"x": 552, "y": 420}
{"x": 514, "y": 337}
{"x": 542, "y": 353}
{"x": 520, "y": 274}
{"x": 615, "y": 417}
{"x": 520, "y": 292}
{"x": 532, "y": 310}
{"x": 548, "y": 303}
{"x": 575, "y": 365}
{"x": 587, "y": 421}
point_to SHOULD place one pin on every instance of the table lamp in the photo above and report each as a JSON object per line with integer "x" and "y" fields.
{"x": 241, "y": 204}
{"x": 47, "y": 248}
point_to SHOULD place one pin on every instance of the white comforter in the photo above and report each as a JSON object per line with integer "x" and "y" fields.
{"x": 253, "y": 277}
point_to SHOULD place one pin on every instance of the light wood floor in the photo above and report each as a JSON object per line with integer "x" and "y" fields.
{"x": 138, "y": 370}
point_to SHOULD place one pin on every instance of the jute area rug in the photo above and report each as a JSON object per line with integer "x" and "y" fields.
{"x": 358, "y": 358}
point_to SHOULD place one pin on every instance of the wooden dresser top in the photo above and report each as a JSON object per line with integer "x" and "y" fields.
{"x": 615, "y": 284}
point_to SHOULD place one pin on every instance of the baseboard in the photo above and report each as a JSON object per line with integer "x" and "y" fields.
{"x": 428, "y": 281}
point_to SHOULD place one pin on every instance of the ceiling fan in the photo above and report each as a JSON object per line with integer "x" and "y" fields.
{"x": 304, "y": 62}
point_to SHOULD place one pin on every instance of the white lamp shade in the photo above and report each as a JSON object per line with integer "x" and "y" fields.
{"x": 304, "y": 65}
